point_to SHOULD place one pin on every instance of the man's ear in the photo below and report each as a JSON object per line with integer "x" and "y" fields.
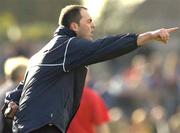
{"x": 74, "y": 26}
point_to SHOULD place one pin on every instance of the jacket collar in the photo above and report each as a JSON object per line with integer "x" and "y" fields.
{"x": 61, "y": 30}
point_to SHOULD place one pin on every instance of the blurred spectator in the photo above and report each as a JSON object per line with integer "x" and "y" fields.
{"x": 92, "y": 115}
{"x": 119, "y": 122}
{"x": 170, "y": 99}
{"x": 158, "y": 115}
{"x": 13, "y": 50}
{"x": 140, "y": 122}
{"x": 174, "y": 122}
{"x": 14, "y": 69}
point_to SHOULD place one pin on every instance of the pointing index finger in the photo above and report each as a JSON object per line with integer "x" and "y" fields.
{"x": 172, "y": 29}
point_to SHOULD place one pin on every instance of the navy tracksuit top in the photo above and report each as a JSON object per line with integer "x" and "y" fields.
{"x": 55, "y": 77}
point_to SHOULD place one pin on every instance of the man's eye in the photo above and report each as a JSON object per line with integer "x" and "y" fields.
{"x": 90, "y": 20}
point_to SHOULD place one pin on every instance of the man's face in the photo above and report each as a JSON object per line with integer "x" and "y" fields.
{"x": 86, "y": 26}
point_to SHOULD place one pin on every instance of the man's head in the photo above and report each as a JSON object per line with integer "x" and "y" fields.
{"x": 77, "y": 18}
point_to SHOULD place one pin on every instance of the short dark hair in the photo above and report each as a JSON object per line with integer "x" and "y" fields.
{"x": 70, "y": 13}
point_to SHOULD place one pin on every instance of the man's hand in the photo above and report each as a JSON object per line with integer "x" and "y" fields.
{"x": 11, "y": 110}
{"x": 162, "y": 34}
{"x": 158, "y": 35}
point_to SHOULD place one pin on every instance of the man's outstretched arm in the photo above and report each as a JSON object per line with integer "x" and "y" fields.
{"x": 157, "y": 35}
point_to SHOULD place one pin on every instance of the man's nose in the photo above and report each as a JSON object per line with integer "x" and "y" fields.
{"x": 93, "y": 25}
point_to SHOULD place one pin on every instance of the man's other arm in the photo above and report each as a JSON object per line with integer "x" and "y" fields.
{"x": 12, "y": 101}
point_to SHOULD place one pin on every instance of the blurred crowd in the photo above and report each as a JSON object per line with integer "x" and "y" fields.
{"x": 143, "y": 98}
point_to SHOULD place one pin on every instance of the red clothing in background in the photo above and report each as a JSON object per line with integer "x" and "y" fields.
{"x": 92, "y": 112}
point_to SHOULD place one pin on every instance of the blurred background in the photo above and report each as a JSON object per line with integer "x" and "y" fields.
{"x": 141, "y": 89}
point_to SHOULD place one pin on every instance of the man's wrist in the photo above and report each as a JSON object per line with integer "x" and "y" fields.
{"x": 144, "y": 38}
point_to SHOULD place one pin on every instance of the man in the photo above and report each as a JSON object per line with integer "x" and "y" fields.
{"x": 50, "y": 94}
{"x": 14, "y": 69}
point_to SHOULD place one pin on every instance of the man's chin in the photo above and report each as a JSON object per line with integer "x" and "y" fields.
{"x": 90, "y": 38}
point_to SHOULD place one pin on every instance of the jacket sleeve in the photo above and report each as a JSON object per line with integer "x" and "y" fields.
{"x": 82, "y": 52}
{"x": 15, "y": 94}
